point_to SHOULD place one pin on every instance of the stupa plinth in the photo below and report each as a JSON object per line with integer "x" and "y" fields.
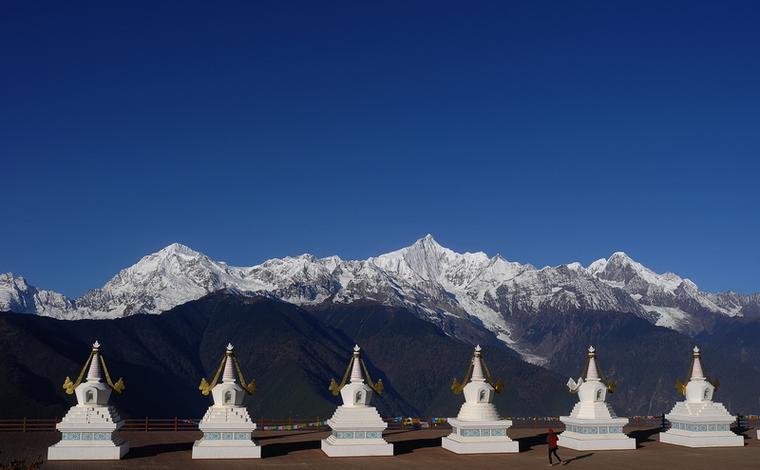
{"x": 87, "y": 430}
{"x": 593, "y": 424}
{"x": 227, "y": 426}
{"x": 357, "y": 428}
{"x": 478, "y": 428}
{"x": 698, "y": 421}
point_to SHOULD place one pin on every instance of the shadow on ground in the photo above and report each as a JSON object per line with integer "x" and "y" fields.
{"x": 284, "y": 448}
{"x": 742, "y": 431}
{"x": 407, "y": 447}
{"x": 571, "y": 460}
{"x": 644, "y": 435}
{"x": 527, "y": 443}
{"x": 265, "y": 438}
{"x": 153, "y": 450}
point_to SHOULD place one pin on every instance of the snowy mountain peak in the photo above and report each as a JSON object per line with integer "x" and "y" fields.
{"x": 597, "y": 265}
{"x": 8, "y": 279}
{"x": 427, "y": 260}
{"x": 620, "y": 255}
{"x": 428, "y": 247}
{"x": 620, "y": 268}
{"x": 177, "y": 248}
{"x": 16, "y": 295}
{"x": 432, "y": 280}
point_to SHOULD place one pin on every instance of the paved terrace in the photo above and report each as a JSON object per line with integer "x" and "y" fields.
{"x": 414, "y": 449}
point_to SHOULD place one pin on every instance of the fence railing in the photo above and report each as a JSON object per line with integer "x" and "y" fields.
{"x": 293, "y": 424}
{"x": 27, "y": 424}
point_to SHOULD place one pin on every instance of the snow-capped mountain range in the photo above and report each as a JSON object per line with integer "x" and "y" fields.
{"x": 432, "y": 280}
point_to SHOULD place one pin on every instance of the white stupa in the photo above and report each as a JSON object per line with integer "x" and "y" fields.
{"x": 357, "y": 428}
{"x": 227, "y": 426}
{"x": 88, "y": 428}
{"x": 478, "y": 428}
{"x": 592, "y": 424}
{"x": 698, "y": 421}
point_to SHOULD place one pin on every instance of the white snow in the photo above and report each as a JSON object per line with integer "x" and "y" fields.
{"x": 425, "y": 276}
{"x": 670, "y": 317}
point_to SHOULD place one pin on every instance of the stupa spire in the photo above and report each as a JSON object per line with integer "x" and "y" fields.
{"x": 477, "y": 366}
{"x": 592, "y": 371}
{"x": 696, "y": 368}
{"x": 356, "y": 370}
{"x": 229, "y": 372}
{"x": 94, "y": 373}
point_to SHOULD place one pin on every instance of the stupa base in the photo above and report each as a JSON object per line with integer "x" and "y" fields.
{"x": 701, "y": 431}
{"x": 225, "y": 451}
{"x": 480, "y": 446}
{"x": 479, "y": 437}
{"x": 108, "y": 451}
{"x": 595, "y": 434}
{"x": 356, "y": 432}
{"x": 332, "y": 448}
{"x": 701, "y": 439}
{"x": 611, "y": 442}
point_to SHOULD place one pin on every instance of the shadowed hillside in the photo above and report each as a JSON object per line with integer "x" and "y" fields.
{"x": 645, "y": 360}
{"x": 292, "y": 353}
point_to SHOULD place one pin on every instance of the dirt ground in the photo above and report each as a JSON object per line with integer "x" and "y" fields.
{"x": 413, "y": 449}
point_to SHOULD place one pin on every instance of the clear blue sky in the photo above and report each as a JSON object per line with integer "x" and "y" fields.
{"x": 545, "y": 131}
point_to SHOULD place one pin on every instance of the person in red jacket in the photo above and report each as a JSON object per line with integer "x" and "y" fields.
{"x": 551, "y": 439}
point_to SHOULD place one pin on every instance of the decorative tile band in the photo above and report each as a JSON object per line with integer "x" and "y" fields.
{"x": 500, "y": 432}
{"x": 226, "y": 436}
{"x": 594, "y": 429}
{"x": 357, "y": 434}
{"x": 86, "y": 436}
{"x": 700, "y": 427}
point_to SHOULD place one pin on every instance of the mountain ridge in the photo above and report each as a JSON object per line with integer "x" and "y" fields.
{"x": 439, "y": 284}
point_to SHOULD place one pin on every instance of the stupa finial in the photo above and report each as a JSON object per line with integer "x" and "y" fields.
{"x": 228, "y": 368}
{"x": 228, "y": 376}
{"x": 94, "y": 373}
{"x": 355, "y": 373}
{"x": 356, "y": 370}
{"x": 477, "y": 366}
{"x": 592, "y": 371}
{"x": 697, "y": 373}
{"x": 95, "y": 366}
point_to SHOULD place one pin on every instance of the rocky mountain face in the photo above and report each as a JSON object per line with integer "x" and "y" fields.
{"x": 671, "y": 301}
{"x": 16, "y": 295}
{"x": 454, "y": 291}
